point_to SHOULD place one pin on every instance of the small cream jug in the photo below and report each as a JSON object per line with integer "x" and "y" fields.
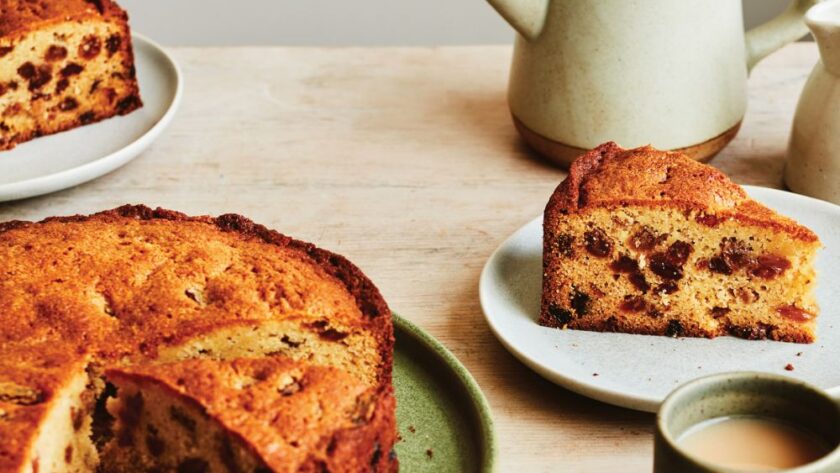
{"x": 671, "y": 73}
{"x": 813, "y": 157}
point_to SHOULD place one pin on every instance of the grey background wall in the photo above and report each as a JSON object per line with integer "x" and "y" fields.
{"x": 339, "y": 22}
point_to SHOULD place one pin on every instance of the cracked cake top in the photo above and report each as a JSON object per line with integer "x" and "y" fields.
{"x": 612, "y": 176}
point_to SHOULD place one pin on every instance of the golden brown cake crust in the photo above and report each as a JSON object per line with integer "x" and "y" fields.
{"x": 21, "y": 16}
{"x": 367, "y": 296}
{"x": 117, "y": 286}
{"x": 610, "y": 176}
{"x": 324, "y": 418}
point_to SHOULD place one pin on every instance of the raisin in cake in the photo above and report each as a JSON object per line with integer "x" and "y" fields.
{"x": 142, "y": 295}
{"x": 222, "y": 416}
{"x": 652, "y": 242}
{"x": 63, "y": 64}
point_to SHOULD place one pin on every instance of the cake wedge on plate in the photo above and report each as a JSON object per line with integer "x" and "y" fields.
{"x": 652, "y": 242}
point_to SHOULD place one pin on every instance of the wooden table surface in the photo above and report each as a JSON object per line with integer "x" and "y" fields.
{"x": 405, "y": 161}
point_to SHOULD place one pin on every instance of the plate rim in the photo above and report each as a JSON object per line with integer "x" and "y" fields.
{"x": 488, "y": 440}
{"x": 67, "y": 178}
{"x": 602, "y": 394}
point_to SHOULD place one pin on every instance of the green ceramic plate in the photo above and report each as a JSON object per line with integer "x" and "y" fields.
{"x": 442, "y": 415}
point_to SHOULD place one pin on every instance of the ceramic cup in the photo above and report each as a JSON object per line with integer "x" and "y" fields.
{"x": 744, "y": 394}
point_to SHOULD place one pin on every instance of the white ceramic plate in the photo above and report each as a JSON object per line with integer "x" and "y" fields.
{"x": 63, "y": 160}
{"x": 638, "y": 371}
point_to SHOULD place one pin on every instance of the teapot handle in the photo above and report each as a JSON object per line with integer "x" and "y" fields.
{"x": 781, "y": 30}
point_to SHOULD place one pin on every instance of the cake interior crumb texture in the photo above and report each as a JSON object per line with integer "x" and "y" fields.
{"x": 146, "y": 340}
{"x": 651, "y": 242}
{"x": 63, "y": 64}
{"x": 156, "y": 429}
{"x": 46, "y": 401}
{"x": 194, "y": 414}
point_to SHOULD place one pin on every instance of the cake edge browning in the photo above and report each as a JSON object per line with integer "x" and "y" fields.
{"x": 367, "y": 295}
{"x": 16, "y": 25}
{"x": 570, "y": 198}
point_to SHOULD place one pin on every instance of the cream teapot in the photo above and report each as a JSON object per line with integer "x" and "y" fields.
{"x": 671, "y": 73}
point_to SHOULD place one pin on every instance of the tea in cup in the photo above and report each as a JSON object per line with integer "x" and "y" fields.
{"x": 739, "y": 422}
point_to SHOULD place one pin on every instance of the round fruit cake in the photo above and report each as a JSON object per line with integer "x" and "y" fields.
{"x": 146, "y": 340}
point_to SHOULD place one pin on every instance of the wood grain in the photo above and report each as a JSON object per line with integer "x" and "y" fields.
{"x": 406, "y": 161}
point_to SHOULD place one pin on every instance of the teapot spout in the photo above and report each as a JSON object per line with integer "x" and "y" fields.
{"x": 824, "y": 22}
{"x": 525, "y": 16}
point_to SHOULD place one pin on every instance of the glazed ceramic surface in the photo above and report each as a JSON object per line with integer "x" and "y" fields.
{"x": 813, "y": 157}
{"x": 662, "y": 72}
{"x": 442, "y": 416}
{"x": 744, "y": 394}
{"x": 66, "y": 159}
{"x": 638, "y": 371}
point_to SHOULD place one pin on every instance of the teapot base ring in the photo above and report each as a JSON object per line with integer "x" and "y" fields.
{"x": 562, "y": 155}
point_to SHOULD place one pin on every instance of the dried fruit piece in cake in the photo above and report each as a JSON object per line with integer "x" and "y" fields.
{"x": 652, "y": 242}
{"x": 202, "y": 415}
{"x": 63, "y": 64}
